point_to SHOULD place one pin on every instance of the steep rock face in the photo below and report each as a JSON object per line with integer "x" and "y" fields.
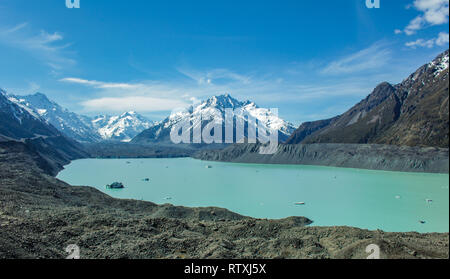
{"x": 215, "y": 108}
{"x": 413, "y": 113}
{"x": 309, "y": 128}
{"x": 424, "y": 114}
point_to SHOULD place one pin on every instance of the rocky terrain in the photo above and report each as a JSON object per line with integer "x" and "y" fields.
{"x": 363, "y": 156}
{"x": 414, "y": 112}
{"x": 40, "y": 216}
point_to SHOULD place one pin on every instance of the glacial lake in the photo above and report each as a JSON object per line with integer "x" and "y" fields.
{"x": 390, "y": 201}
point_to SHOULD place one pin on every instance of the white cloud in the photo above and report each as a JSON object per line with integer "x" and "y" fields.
{"x": 42, "y": 45}
{"x": 135, "y": 103}
{"x": 16, "y": 28}
{"x": 420, "y": 43}
{"x": 441, "y": 40}
{"x": 433, "y": 12}
{"x": 375, "y": 56}
{"x": 101, "y": 84}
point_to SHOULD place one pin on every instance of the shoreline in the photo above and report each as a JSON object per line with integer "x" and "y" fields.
{"x": 253, "y": 164}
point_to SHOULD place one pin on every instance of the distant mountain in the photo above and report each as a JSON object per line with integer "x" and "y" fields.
{"x": 413, "y": 113}
{"x": 76, "y": 126}
{"x": 83, "y": 128}
{"x": 121, "y": 128}
{"x": 160, "y": 132}
{"x": 20, "y": 124}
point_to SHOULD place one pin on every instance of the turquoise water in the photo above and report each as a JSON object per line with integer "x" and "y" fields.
{"x": 390, "y": 201}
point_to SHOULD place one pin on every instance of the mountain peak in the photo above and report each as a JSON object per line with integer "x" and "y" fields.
{"x": 440, "y": 63}
{"x": 214, "y": 107}
{"x": 40, "y": 96}
{"x": 129, "y": 113}
{"x": 222, "y": 101}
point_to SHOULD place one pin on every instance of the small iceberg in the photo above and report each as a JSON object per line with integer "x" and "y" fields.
{"x": 115, "y": 185}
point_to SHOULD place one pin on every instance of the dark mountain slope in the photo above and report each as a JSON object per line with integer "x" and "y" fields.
{"x": 413, "y": 113}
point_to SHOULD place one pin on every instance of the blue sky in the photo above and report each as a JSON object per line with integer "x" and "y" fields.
{"x": 309, "y": 59}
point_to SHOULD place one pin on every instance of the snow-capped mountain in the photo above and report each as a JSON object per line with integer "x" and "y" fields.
{"x": 38, "y": 136}
{"x": 75, "y": 126}
{"x": 18, "y": 123}
{"x": 214, "y": 108}
{"x": 123, "y": 127}
{"x": 80, "y": 127}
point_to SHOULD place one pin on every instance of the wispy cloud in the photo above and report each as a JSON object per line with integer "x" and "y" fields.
{"x": 136, "y": 103}
{"x": 373, "y": 57}
{"x": 16, "y": 28}
{"x": 432, "y": 12}
{"x": 214, "y": 76}
{"x": 44, "y": 46}
{"x": 350, "y": 77}
{"x": 441, "y": 40}
{"x": 120, "y": 96}
{"x": 101, "y": 84}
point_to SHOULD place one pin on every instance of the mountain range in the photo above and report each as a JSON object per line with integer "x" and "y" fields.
{"x": 214, "y": 108}
{"x": 21, "y": 126}
{"x": 414, "y": 112}
{"x": 80, "y": 127}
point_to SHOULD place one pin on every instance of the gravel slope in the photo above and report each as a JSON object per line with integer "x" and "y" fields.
{"x": 363, "y": 156}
